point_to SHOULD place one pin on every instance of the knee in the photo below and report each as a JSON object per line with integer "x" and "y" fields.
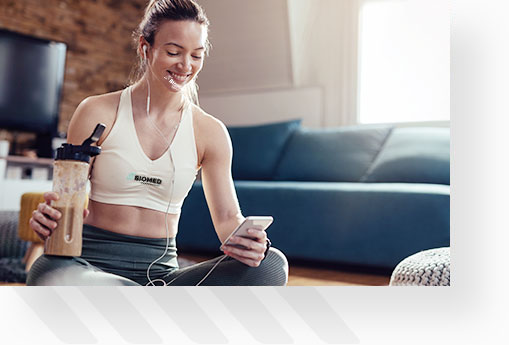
{"x": 42, "y": 270}
{"x": 59, "y": 270}
{"x": 275, "y": 254}
{"x": 278, "y": 266}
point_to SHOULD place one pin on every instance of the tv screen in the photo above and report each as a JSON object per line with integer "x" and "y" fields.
{"x": 31, "y": 78}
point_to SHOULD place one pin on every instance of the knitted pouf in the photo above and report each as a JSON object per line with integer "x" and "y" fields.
{"x": 427, "y": 268}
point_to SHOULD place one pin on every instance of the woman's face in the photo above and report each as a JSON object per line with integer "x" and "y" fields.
{"x": 177, "y": 54}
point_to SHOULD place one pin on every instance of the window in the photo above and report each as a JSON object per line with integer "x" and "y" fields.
{"x": 404, "y": 61}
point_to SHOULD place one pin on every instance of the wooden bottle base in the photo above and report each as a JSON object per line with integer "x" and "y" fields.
{"x": 66, "y": 239}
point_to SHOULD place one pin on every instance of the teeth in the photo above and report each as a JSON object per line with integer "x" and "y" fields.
{"x": 179, "y": 77}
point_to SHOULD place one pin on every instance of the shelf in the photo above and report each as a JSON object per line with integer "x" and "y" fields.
{"x": 28, "y": 160}
{"x": 26, "y": 168}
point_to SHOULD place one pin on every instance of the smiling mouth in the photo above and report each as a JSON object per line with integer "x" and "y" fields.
{"x": 179, "y": 77}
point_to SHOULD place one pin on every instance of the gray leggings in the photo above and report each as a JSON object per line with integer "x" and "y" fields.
{"x": 110, "y": 258}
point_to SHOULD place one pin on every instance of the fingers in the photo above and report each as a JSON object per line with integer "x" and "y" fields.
{"x": 86, "y": 212}
{"x": 48, "y": 211}
{"x": 49, "y": 196}
{"x": 249, "y": 243}
{"x": 249, "y": 262}
{"x": 245, "y": 254}
{"x": 41, "y": 231}
{"x": 43, "y": 220}
{"x": 260, "y": 235}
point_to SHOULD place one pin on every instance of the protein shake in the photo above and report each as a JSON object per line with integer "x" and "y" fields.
{"x": 70, "y": 177}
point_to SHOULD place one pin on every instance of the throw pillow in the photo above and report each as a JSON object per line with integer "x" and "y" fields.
{"x": 257, "y": 149}
{"x": 413, "y": 155}
{"x": 341, "y": 154}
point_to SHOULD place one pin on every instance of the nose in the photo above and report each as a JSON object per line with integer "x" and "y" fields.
{"x": 184, "y": 64}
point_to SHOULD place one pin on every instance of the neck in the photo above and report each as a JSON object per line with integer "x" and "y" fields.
{"x": 162, "y": 101}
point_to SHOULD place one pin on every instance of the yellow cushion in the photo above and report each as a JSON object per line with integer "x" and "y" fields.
{"x": 29, "y": 203}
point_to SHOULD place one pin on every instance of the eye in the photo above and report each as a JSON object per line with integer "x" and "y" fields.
{"x": 172, "y": 54}
{"x": 197, "y": 57}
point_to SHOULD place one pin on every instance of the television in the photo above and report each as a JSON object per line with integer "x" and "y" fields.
{"x": 31, "y": 79}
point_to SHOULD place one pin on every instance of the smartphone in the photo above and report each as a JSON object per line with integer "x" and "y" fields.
{"x": 251, "y": 222}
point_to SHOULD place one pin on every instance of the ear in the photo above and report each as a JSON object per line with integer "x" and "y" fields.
{"x": 143, "y": 48}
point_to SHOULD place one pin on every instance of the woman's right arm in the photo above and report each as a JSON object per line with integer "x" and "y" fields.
{"x": 44, "y": 219}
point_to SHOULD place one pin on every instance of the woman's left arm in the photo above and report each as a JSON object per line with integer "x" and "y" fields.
{"x": 221, "y": 197}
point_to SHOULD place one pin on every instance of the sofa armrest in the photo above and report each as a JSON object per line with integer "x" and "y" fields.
{"x": 29, "y": 202}
{"x": 11, "y": 246}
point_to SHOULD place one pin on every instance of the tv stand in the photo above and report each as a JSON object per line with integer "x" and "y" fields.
{"x": 13, "y": 187}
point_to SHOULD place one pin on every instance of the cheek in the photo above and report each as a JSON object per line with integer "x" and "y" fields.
{"x": 197, "y": 66}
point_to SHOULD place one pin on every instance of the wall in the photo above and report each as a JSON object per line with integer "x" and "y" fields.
{"x": 249, "y": 76}
{"x": 250, "y": 46}
{"x": 243, "y": 109}
{"x": 278, "y": 45}
{"x": 98, "y": 38}
{"x": 260, "y": 47}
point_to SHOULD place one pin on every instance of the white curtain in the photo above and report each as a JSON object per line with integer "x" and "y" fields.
{"x": 323, "y": 36}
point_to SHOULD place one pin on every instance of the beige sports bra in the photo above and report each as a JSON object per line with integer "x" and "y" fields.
{"x": 124, "y": 175}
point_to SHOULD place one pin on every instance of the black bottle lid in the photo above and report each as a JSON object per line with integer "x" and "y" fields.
{"x": 84, "y": 151}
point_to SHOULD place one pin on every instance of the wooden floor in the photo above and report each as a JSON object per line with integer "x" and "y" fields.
{"x": 304, "y": 275}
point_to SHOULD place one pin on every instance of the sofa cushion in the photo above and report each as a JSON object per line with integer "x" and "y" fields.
{"x": 257, "y": 149}
{"x": 333, "y": 154}
{"x": 413, "y": 155}
{"x": 375, "y": 224}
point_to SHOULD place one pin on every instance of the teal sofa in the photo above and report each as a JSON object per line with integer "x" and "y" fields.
{"x": 363, "y": 196}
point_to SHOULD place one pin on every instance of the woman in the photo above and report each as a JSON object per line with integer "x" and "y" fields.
{"x": 154, "y": 129}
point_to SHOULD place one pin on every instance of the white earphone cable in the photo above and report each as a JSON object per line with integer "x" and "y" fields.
{"x": 150, "y": 281}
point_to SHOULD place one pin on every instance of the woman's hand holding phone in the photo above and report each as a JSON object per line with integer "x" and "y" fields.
{"x": 248, "y": 242}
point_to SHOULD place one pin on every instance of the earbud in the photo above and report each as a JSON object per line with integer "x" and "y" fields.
{"x": 145, "y": 52}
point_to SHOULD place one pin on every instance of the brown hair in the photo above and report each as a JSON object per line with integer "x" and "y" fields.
{"x": 158, "y": 11}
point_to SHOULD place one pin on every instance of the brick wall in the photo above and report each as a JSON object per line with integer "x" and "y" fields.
{"x": 98, "y": 37}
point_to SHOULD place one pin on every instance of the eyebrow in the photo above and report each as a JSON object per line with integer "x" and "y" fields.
{"x": 175, "y": 44}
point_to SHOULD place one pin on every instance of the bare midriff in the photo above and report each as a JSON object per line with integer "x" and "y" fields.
{"x": 131, "y": 220}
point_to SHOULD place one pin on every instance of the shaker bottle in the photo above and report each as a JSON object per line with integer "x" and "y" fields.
{"x": 70, "y": 176}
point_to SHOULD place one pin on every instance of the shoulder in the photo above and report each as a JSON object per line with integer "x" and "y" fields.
{"x": 211, "y": 134}
{"x": 208, "y": 123}
{"x": 91, "y": 111}
{"x": 108, "y": 100}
